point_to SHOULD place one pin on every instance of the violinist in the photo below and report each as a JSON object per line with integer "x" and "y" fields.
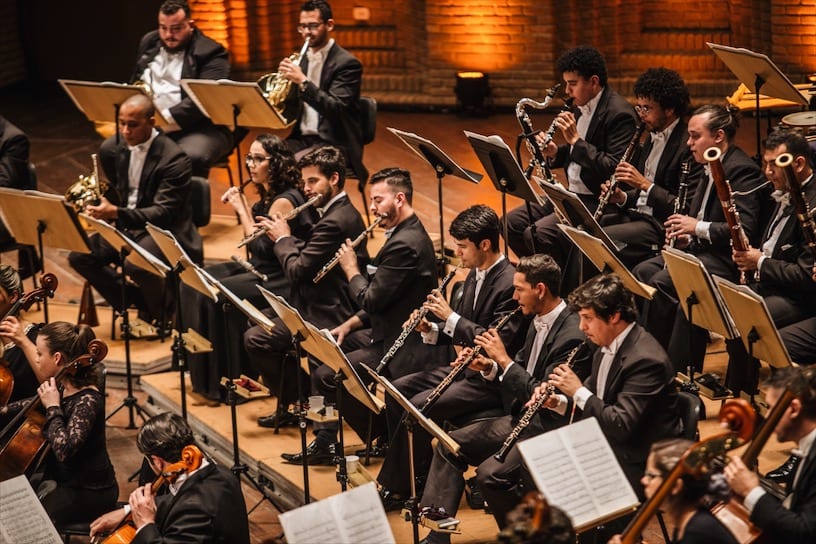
{"x": 204, "y": 505}
{"x": 78, "y": 462}
{"x": 792, "y": 520}
{"x": 17, "y": 337}
{"x": 692, "y": 521}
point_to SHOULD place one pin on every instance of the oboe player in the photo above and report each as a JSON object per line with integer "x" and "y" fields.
{"x": 552, "y": 334}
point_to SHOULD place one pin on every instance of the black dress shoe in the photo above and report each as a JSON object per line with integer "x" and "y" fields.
{"x": 314, "y": 456}
{"x": 378, "y": 449}
{"x": 391, "y": 501}
{"x": 783, "y": 474}
{"x": 474, "y": 494}
{"x": 286, "y": 420}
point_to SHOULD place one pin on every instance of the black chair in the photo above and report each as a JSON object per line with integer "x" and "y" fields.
{"x": 689, "y": 407}
{"x": 200, "y": 201}
{"x": 28, "y": 262}
{"x": 368, "y": 124}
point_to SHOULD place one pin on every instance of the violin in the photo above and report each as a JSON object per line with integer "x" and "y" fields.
{"x": 733, "y": 514}
{"x": 49, "y": 284}
{"x": 27, "y": 446}
{"x": 738, "y": 416}
{"x": 191, "y": 458}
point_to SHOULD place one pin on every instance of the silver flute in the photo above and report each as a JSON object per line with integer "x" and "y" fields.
{"x": 291, "y": 214}
{"x": 528, "y": 415}
{"x": 248, "y": 266}
{"x": 354, "y": 243}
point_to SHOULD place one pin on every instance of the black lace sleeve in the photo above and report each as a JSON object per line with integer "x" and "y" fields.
{"x": 67, "y": 430}
{"x": 13, "y": 407}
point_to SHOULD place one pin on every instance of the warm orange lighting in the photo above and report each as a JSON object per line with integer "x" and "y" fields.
{"x": 470, "y": 75}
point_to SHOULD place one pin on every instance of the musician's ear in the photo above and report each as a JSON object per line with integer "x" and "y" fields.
{"x": 795, "y": 408}
{"x": 677, "y": 488}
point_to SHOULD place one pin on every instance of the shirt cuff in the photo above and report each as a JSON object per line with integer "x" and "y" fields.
{"x": 760, "y": 261}
{"x": 703, "y": 230}
{"x": 126, "y": 508}
{"x": 432, "y": 336}
{"x": 450, "y": 324}
{"x": 752, "y": 498}
{"x": 279, "y": 238}
{"x": 581, "y": 397}
{"x": 504, "y": 371}
{"x": 491, "y": 374}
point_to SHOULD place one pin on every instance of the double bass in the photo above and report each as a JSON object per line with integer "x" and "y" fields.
{"x": 27, "y": 445}
{"x": 49, "y": 286}
{"x": 191, "y": 458}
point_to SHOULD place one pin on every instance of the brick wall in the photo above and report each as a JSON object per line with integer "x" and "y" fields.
{"x": 12, "y": 64}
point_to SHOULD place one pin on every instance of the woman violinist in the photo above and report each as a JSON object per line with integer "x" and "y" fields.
{"x": 78, "y": 462}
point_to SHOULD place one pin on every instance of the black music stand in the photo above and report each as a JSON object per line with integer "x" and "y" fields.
{"x": 504, "y": 172}
{"x": 42, "y": 219}
{"x": 699, "y": 299}
{"x": 138, "y": 256}
{"x": 442, "y": 165}
{"x": 605, "y": 260}
{"x": 235, "y": 104}
{"x": 414, "y": 415}
{"x": 756, "y": 71}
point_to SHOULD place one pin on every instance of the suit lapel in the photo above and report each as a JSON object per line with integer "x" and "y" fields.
{"x": 598, "y": 115}
{"x": 544, "y": 357}
{"x": 804, "y": 477}
{"x": 620, "y": 359}
{"x": 151, "y": 162}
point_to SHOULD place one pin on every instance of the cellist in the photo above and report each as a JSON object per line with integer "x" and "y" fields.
{"x": 17, "y": 337}
{"x": 84, "y": 482}
{"x": 792, "y": 520}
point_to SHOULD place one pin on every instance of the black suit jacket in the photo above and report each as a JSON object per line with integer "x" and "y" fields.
{"x": 209, "y": 508}
{"x": 611, "y": 129}
{"x": 327, "y": 302}
{"x": 797, "y": 525}
{"x": 517, "y": 384}
{"x": 164, "y": 194}
{"x": 337, "y": 101}
{"x": 204, "y": 58}
{"x": 13, "y": 156}
{"x": 640, "y": 401}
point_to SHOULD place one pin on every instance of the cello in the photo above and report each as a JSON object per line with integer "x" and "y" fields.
{"x": 27, "y": 445}
{"x": 191, "y": 458}
{"x": 738, "y": 417}
{"x": 49, "y": 286}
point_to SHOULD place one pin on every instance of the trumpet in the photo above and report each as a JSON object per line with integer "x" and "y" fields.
{"x": 528, "y": 415}
{"x": 461, "y": 366}
{"x": 291, "y": 214}
{"x": 613, "y": 182}
{"x": 354, "y": 243}
{"x": 411, "y": 325}
{"x": 88, "y": 190}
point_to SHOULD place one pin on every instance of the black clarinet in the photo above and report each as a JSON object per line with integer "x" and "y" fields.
{"x": 681, "y": 203}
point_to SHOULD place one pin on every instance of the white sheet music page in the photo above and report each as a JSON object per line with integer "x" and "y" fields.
{"x": 23, "y": 519}
{"x": 355, "y": 517}
{"x": 576, "y": 470}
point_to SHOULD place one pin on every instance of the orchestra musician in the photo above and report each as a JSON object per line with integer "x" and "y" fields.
{"x": 386, "y": 291}
{"x": 792, "y": 520}
{"x": 203, "y": 505}
{"x": 179, "y": 50}
{"x": 328, "y": 80}
{"x": 78, "y": 461}
{"x": 703, "y": 232}
{"x": 149, "y": 183}
{"x": 597, "y": 132}
{"x": 686, "y": 504}
{"x": 487, "y": 293}
{"x": 650, "y": 186}
{"x": 323, "y": 303}
{"x": 274, "y": 174}
{"x": 18, "y": 337}
{"x": 551, "y": 336}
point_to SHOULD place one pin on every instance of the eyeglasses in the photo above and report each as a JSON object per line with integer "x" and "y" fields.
{"x": 311, "y": 27}
{"x": 651, "y": 475}
{"x": 252, "y": 160}
{"x": 643, "y": 109}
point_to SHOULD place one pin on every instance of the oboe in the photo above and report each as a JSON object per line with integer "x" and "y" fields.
{"x": 681, "y": 203}
{"x": 530, "y": 413}
{"x": 613, "y": 181}
{"x": 354, "y": 243}
{"x": 249, "y": 267}
{"x": 411, "y": 325}
{"x": 460, "y": 367}
{"x": 291, "y": 214}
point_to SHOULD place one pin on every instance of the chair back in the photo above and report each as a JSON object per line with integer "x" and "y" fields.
{"x": 689, "y": 407}
{"x": 368, "y": 118}
{"x": 32, "y": 177}
{"x": 200, "y": 201}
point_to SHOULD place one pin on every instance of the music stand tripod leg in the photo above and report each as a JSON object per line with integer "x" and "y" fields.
{"x": 342, "y": 472}
{"x": 129, "y": 401}
{"x": 179, "y": 356}
{"x": 301, "y": 414}
{"x": 412, "y": 504}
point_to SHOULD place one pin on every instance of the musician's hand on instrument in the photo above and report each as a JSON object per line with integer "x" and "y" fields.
{"x": 481, "y": 363}
{"x": 105, "y": 210}
{"x": 437, "y": 305}
{"x": 569, "y": 128}
{"x": 748, "y": 260}
{"x": 11, "y": 330}
{"x": 347, "y": 259}
{"x": 291, "y": 71}
{"x": 740, "y": 478}
{"x": 107, "y": 522}
{"x": 677, "y": 225}
{"x": 275, "y": 225}
{"x": 462, "y": 356}
{"x": 492, "y": 346}
{"x": 539, "y": 390}
{"x": 615, "y": 198}
{"x": 550, "y": 149}
{"x": 565, "y": 379}
{"x": 49, "y": 394}
{"x": 236, "y": 199}
{"x": 143, "y": 506}
{"x": 628, "y": 174}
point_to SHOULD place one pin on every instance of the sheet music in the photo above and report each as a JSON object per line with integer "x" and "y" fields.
{"x": 23, "y": 519}
{"x": 355, "y": 516}
{"x": 414, "y": 141}
{"x": 245, "y": 306}
{"x": 191, "y": 273}
{"x": 576, "y": 470}
{"x": 139, "y": 256}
